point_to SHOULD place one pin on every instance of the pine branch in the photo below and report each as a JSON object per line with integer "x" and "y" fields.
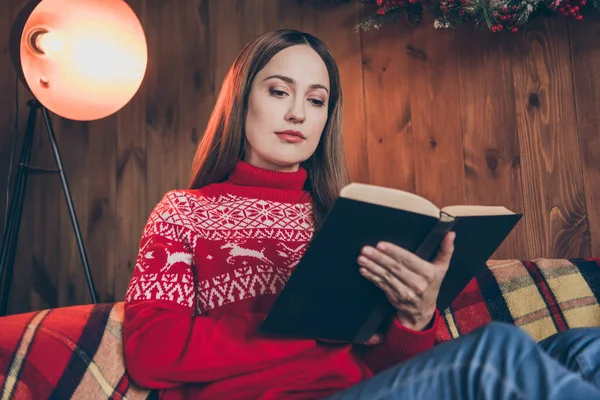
{"x": 376, "y": 21}
{"x": 414, "y": 13}
{"x": 480, "y": 10}
{"x": 496, "y": 15}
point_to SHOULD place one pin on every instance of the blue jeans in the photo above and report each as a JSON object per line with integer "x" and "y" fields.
{"x": 497, "y": 361}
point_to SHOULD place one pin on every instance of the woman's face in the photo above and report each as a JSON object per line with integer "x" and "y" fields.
{"x": 287, "y": 109}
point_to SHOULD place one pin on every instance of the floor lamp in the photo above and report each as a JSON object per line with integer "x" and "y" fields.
{"x": 81, "y": 60}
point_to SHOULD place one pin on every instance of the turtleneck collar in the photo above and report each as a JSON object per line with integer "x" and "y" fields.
{"x": 245, "y": 174}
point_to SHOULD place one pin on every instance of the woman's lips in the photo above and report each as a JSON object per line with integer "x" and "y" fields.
{"x": 291, "y": 136}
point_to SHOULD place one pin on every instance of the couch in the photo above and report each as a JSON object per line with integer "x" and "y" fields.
{"x": 76, "y": 352}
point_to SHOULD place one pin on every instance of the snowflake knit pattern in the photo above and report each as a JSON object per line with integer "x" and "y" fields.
{"x": 210, "y": 265}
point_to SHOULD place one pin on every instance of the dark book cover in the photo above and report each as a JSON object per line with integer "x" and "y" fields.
{"x": 327, "y": 298}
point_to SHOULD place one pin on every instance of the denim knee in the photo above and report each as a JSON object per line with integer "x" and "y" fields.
{"x": 501, "y": 330}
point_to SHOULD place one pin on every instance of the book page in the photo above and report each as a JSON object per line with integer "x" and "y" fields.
{"x": 465, "y": 211}
{"x": 387, "y": 197}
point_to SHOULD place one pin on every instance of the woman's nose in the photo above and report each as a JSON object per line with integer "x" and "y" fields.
{"x": 296, "y": 113}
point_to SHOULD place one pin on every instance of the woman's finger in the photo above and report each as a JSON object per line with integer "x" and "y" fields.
{"x": 409, "y": 260}
{"x": 446, "y": 250}
{"x": 414, "y": 281}
{"x": 396, "y": 290}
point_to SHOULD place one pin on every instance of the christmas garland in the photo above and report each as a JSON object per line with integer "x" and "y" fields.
{"x": 496, "y": 15}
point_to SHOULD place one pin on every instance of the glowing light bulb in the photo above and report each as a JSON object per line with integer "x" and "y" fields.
{"x": 50, "y": 43}
{"x": 83, "y": 60}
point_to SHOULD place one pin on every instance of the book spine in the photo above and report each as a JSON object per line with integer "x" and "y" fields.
{"x": 428, "y": 248}
{"x": 374, "y": 324}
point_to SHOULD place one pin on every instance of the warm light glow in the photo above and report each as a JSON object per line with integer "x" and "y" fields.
{"x": 83, "y": 59}
{"x": 50, "y": 43}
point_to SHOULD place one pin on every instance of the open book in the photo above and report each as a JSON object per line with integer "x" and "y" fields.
{"x": 327, "y": 298}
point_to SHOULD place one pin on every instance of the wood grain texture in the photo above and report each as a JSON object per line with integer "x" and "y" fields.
{"x": 552, "y": 176}
{"x": 435, "y": 110}
{"x": 388, "y": 118}
{"x": 585, "y": 64}
{"x": 456, "y": 116}
{"x": 132, "y": 205}
{"x": 490, "y": 142}
{"x": 73, "y": 140}
{"x": 165, "y": 47}
{"x": 199, "y": 93}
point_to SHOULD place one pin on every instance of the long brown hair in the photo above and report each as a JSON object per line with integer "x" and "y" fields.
{"x": 223, "y": 142}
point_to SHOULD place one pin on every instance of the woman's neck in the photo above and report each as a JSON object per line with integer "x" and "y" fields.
{"x": 252, "y": 159}
{"x": 247, "y": 180}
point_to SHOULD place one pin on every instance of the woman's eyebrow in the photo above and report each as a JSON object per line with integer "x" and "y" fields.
{"x": 293, "y": 82}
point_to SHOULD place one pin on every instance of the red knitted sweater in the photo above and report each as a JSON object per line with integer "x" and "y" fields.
{"x": 210, "y": 265}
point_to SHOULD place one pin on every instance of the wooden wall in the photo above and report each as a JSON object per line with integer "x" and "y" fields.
{"x": 457, "y": 116}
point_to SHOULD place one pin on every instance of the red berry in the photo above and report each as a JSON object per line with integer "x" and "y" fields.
{"x": 514, "y": 29}
{"x": 579, "y": 17}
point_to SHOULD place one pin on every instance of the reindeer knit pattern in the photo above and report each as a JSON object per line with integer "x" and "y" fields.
{"x": 210, "y": 265}
{"x": 244, "y": 247}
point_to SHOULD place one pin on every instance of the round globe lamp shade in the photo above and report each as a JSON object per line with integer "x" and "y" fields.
{"x": 83, "y": 59}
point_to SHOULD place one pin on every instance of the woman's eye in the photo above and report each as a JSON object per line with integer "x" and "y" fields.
{"x": 317, "y": 102}
{"x": 277, "y": 93}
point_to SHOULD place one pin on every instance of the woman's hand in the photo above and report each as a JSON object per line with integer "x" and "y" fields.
{"x": 410, "y": 283}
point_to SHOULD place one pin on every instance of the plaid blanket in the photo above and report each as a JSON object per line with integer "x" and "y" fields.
{"x": 72, "y": 352}
{"x": 77, "y": 352}
{"x": 541, "y": 296}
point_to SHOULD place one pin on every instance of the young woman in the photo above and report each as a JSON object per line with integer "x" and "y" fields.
{"x": 213, "y": 259}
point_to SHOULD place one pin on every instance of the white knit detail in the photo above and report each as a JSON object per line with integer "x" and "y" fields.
{"x": 237, "y": 227}
{"x": 242, "y": 283}
{"x": 177, "y": 288}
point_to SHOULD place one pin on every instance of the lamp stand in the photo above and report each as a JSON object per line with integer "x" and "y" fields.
{"x": 13, "y": 222}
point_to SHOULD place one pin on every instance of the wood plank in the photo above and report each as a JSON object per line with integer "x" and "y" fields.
{"x": 490, "y": 142}
{"x": 102, "y": 209}
{"x": 260, "y": 16}
{"x": 334, "y": 25}
{"x": 585, "y": 62}
{"x": 435, "y": 114}
{"x": 162, "y": 88}
{"x": 552, "y": 175}
{"x": 388, "y": 119}
{"x": 132, "y": 205}
{"x": 73, "y": 140}
{"x": 227, "y": 37}
{"x": 197, "y": 96}
{"x": 238, "y": 22}
{"x": 44, "y": 225}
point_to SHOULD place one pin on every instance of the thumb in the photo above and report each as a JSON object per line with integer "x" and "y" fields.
{"x": 446, "y": 249}
{"x": 374, "y": 340}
